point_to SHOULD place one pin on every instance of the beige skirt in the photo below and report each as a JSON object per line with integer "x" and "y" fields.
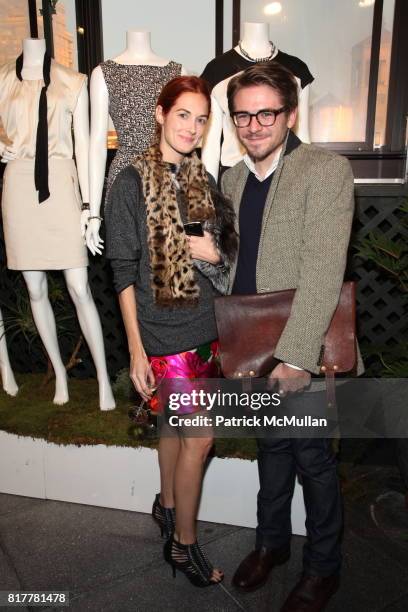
{"x": 44, "y": 236}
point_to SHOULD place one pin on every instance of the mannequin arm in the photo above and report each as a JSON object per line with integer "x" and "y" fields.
{"x": 303, "y": 114}
{"x": 7, "y": 153}
{"x": 81, "y": 133}
{"x": 212, "y": 140}
{"x": 97, "y": 156}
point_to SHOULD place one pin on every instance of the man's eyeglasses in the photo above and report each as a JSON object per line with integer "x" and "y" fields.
{"x": 265, "y": 117}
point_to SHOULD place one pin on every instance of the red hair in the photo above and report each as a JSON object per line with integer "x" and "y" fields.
{"x": 179, "y": 85}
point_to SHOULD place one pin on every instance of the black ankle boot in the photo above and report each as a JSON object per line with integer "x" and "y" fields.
{"x": 164, "y": 517}
{"x": 189, "y": 559}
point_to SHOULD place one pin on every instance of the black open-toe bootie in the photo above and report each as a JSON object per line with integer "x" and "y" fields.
{"x": 191, "y": 560}
{"x": 164, "y": 517}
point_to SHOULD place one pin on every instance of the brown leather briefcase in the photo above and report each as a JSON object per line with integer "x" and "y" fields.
{"x": 249, "y": 328}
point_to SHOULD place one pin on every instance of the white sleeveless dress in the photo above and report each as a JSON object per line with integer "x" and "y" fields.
{"x": 42, "y": 236}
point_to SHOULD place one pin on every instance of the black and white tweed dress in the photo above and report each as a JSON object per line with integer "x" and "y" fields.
{"x": 133, "y": 91}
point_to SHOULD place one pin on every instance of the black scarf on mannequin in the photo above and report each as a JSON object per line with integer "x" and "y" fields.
{"x": 41, "y": 148}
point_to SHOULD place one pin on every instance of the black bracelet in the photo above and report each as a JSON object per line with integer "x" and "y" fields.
{"x": 95, "y": 217}
{"x": 85, "y": 206}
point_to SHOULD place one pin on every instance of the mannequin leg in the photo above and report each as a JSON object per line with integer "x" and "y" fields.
{"x": 7, "y": 376}
{"x": 45, "y": 322}
{"x": 79, "y": 290}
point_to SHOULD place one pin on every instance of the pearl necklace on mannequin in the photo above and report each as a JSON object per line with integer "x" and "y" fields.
{"x": 257, "y": 59}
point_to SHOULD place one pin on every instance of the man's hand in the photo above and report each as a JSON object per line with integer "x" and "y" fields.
{"x": 203, "y": 247}
{"x": 288, "y": 379}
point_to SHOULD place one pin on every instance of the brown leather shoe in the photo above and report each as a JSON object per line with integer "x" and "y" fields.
{"x": 254, "y": 570}
{"x": 311, "y": 594}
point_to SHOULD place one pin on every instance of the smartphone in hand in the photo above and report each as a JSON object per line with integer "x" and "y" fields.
{"x": 194, "y": 228}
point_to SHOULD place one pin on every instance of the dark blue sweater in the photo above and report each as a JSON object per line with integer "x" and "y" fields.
{"x": 250, "y": 223}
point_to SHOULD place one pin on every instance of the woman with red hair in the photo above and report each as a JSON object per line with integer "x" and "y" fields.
{"x": 166, "y": 280}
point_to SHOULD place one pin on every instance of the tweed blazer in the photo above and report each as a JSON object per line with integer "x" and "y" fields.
{"x": 303, "y": 244}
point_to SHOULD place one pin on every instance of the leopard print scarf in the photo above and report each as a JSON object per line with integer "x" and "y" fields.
{"x": 172, "y": 271}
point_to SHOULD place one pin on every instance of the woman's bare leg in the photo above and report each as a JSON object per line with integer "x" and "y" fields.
{"x": 188, "y": 481}
{"x": 169, "y": 448}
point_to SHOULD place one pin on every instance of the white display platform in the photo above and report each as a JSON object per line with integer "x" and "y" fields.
{"x": 127, "y": 479}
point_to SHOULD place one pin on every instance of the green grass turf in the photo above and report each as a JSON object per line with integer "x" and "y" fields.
{"x": 32, "y": 413}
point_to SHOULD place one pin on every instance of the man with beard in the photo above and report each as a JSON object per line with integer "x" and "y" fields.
{"x": 294, "y": 205}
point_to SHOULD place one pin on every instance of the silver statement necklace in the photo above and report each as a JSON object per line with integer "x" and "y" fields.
{"x": 257, "y": 59}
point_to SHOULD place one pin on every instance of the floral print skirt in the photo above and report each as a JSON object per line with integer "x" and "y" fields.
{"x": 199, "y": 363}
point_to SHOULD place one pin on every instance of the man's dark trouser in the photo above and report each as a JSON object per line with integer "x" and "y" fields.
{"x": 279, "y": 460}
{"x": 402, "y": 456}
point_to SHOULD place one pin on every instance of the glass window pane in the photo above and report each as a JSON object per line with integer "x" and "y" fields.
{"x": 185, "y": 35}
{"x": 64, "y": 32}
{"x": 183, "y": 31}
{"x": 384, "y": 73}
{"x": 14, "y": 26}
{"x": 40, "y": 24}
{"x": 334, "y": 39}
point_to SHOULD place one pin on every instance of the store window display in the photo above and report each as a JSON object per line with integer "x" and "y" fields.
{"x": 126, "y": 88}
{"x": 43, "y": 220}
{"x": 254, "y": 47}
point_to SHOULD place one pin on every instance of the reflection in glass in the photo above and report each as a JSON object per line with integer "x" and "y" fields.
{"x": 273, "y": 8}
{"x": 384, "y": 73}
{"x": 63, "y": 31}
{"x": 40, "y": 24}
{"x": 334, "y": 39}
{"x": 14, "y": 26}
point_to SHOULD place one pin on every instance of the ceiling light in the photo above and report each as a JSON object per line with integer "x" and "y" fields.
{"x": 273, "y": 8}
{"x": 365, "y": 3}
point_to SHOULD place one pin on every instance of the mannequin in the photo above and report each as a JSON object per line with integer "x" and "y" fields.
{"x": 138, "y": 52}
{"x": 6, "y": 373}
{"x": 256, "y": 43}
{"x": 76, "y": 275}
{"x": 255, "y": 39}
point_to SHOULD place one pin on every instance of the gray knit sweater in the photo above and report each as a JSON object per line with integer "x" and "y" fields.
{"x": 164, "y": 330}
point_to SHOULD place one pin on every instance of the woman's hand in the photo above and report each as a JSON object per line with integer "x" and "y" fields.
{"x": 203, "y": 247}
{"x": 141, "y": 374}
